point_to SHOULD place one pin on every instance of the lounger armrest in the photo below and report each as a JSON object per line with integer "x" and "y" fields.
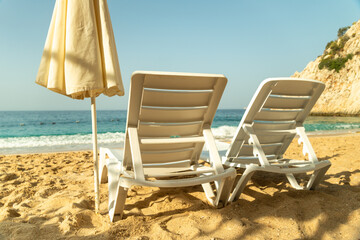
{"x": 214, "y": 156}
{"x": 307, "y": 147}
{"x": 257, "y": 149}
{"x": 136, "y": 153}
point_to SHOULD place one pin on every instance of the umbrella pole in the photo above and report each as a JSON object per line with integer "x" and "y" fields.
{"x": 95, "y": 153}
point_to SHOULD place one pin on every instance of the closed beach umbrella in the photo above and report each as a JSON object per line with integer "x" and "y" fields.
{"x": 80, "y": 58}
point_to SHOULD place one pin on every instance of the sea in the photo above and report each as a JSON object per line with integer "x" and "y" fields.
{"x": 57, "y": 131}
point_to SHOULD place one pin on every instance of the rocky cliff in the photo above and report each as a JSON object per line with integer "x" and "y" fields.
{"x": 339, "y": 69}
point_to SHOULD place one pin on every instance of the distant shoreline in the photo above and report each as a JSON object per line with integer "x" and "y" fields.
{"x": 317, "y": 114}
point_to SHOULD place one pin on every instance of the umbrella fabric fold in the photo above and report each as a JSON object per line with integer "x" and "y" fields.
{"x": 80, "y": 58}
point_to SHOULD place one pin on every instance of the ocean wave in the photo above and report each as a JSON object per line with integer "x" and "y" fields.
{"x": 53, "y": 143}
{"x": 224, "y": 132}
{"x": 331, "y": 126}
{"x": 78, "y": 142}
{"x": 61, "y": 140}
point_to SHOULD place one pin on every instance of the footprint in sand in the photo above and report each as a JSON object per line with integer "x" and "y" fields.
{"x": 85, "y": 204}
{"x": 45, "y": 193}
{"x": 8, "y": 177}
{"x": 8, "y": 213}
{"x": 17, "y": 182}
{"x": 25, "y": 205}
{"x": 74, "y": 221}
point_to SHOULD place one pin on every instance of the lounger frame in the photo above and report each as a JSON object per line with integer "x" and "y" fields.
{"x": 273, "y": 118}
{"x": 168, "y": 123}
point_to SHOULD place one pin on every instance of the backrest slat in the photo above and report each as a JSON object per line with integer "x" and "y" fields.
{"x": 190, "y": 98}
{"x": 266, "y": 139}
{"x": 158, "y": 157}
{"x": 180, "y": 81}
{"x": 276, "y": 115}
{"x": 286, "y": 102}
{"x": 146, "y": 130}
{"x": 274, "y": 125}
{"x": 161, "y": 115}
{"x": 165, "y": 147}
{"x": 286, "y": 87}
{"x": 247, "y": 150}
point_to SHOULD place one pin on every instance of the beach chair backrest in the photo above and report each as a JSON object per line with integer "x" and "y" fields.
{"x": 169, "y": 111}
{"x": 278, "y": 107}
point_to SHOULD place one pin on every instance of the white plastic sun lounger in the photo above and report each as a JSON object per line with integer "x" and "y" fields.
{"x": 168, "y": 122}
{"x": 273, "y": 118}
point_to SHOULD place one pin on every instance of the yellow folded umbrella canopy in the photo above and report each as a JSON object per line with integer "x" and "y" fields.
{"x": 80, "y": 58}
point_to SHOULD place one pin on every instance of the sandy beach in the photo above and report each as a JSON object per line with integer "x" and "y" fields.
{"x": 50, "y": 196}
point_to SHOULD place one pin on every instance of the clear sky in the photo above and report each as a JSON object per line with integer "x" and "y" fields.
{"x": 247, "y": 41}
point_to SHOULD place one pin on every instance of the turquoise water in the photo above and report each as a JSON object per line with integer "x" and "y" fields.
{"x": 332, "y": 123}
{"x": 41, "y": 131}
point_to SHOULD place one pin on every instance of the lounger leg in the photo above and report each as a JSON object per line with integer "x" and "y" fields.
{"x": 117, "y": 206}
{"x": 209, "y": 192}
{"x": 294, "y": 183}
{"x": 316, "y": 177}
{"x": 116, "y": 193}
{"x": 223, "y": 192}
{"x": 102, "y": 167}
{"x": 241, "y": 184}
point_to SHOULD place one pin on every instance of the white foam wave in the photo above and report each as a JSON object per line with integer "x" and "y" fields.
{"x": 57, "y": 143}
{"x": 78, "y": 142}
{"x": 48, "y": 141}
{"x": 347, "y": 126}
{"x": 224, "y": 132}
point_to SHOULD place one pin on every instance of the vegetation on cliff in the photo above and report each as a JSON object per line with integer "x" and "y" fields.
{"x": 332, "y": 58}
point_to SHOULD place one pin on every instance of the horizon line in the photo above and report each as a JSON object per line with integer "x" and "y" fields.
{"x": 242, "y": 108}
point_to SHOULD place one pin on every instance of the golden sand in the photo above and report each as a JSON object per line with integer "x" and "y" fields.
{"x": 50, "y": 196}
